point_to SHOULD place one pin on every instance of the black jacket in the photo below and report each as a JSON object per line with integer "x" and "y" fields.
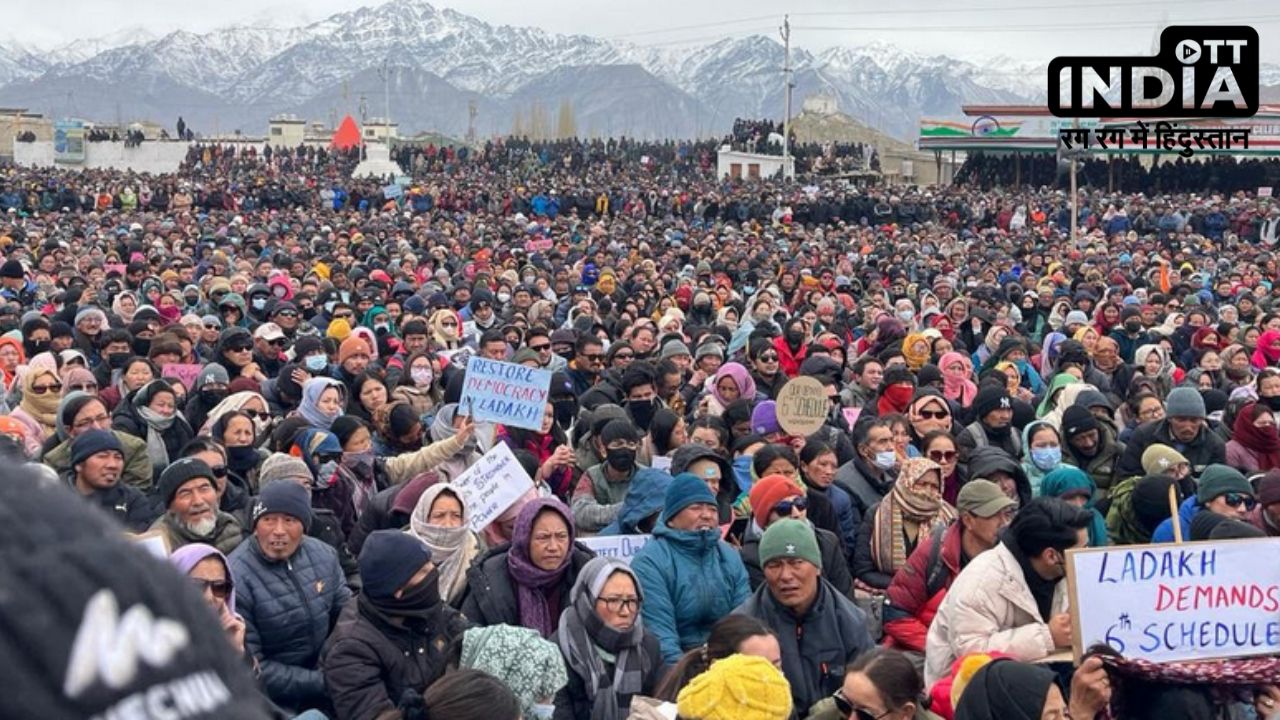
{"x": 128, "y": 505}
{"x": 377, "y": 515}
{"x": 125, "y": 419}
{"x": 491, "y": 597}
{"x": 1205, "y": 450}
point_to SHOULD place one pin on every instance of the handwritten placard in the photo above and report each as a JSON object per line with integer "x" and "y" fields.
{"x": 492, "y": 485}
{"x": 618, "y": 547}
{"x": 185, "y": 373}
{"x": 802, "y": 406}
{"x": 1164, "y": 603}
{"x": 1264, "y": 191}
{"x": 392, "y": 191}
{"x": 505, "y": 393}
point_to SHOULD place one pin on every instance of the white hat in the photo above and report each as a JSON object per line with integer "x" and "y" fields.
{"x": 268, "y": 331}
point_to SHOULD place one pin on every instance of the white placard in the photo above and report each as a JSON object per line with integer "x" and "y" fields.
{"x": 492, "y": 485}
{"x": 618, "y": 547}
{"x": 660, "y": 462}
{"x": 1194, "y": 601}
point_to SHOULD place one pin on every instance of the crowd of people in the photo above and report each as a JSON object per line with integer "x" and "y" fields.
{"x": 1129, "y": 173}
{"x": 258, "y": 362}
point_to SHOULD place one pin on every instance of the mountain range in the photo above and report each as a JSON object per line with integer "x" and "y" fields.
{"x": 440, "y": 62}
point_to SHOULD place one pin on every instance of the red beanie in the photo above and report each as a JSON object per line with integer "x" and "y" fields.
{"x": 768, "y": 492}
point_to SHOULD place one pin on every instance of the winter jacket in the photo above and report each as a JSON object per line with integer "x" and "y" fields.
{"x": 919, "y": 586}
{"x": 989, "y": 607}
{"x": 834, "y": 566}
{"x": 842, "y": 506}
{"x": 289, "y": 607}
{"x": 379, "y": 514}
{"x": 986, "y": 460}
{"x": 1102, "y": 467}
{"x": 816, "y": 647}
{"x": 127, "y": 505}
{"x": 1187, "y": 510}
{"x": 856, "y": 479}
{"x": 137, "y": 465}
{"x": 370, "y": 661}
{"x": 227, "y": 533}
{"x": 125, "y": 419}
{"x": 597, "y": 499}
{"x": 491, "y": 596}
{"x": 686, "y": 455}
{"x": 690, "y": 580}
{"x": 644, "y": 500}
{"x": 1205, "y": 450}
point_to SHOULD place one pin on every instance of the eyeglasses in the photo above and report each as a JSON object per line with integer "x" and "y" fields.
{"x": 343, "y": 316}
{"x": 1235, "y": 500}
{"x": 851, "y": 711}
{"x": 219, "y": 588}
{"x": 211, "y": 326}
{"x": 785, "y": 507}
{"x": 279, "y": 343}
{"x": 448, "y": 323}
{"x": 42, "y": 389}
{"x": 540, "y": 348}
{"x": 625, "y": 356}
{"x": 942, "y": 456}
{"x": 618, "y": 604}
{"x": 287, "y": 313}
{"x": 89, "y": 422}
{"x": 85, "y": 387}
{"x": 934, "y": 414}
{"x": 597, "y": 357}
{"x": 240, "y": 348}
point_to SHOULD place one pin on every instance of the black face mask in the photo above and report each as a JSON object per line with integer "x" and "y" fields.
{"x": 212, "y": 397}
{"x": 141, "y": 346}
{"x": 795, "y": 338}
{"x": 642, "y": 412}
{"x": 565, "y": 411}
{"x": 1133, "y": 326}
{"x": 117, "y": 361}
{"x": 418, "y": 601}
{"x": 35, "y": 347}
{"x": 621, "y": 459}
{"x": 242, "y": 459}
{"x": 1272, "y": 402}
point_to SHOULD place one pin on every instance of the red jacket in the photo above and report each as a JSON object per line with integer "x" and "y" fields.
{"x": 910, "y": 608}
{"x": 789, "y": 362}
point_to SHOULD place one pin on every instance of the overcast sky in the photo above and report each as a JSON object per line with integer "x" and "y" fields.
{"x": 1026, "y": 29}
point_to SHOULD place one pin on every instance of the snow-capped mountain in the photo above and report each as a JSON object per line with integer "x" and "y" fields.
{"x": 441, "y": 61}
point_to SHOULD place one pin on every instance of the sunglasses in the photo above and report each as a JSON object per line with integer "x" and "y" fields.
{"x": 933, "y": 414}
{"x": 329, "y": 457}
{"x": 212, "y": 327}
{"x": 279, "y": 343}
{"x": 540, "y": 348}
{"x": 42, "y": 389}
{"x": 85, "y": 387}
{"x": 785, "y": 507}
{"x": 255, "y": 414}
{"x": 240, "y": 348}
{"x": 219, "y": 470}
{"x": 851, "y": 711}
{"x": 942, "y": 456}
{"x": 1235, "y": 500}
{"x": 343, "y": 316}
{"x": 448, "y": 323}
{"x": 768, "y": 357}
{"x": 219, "y": 588}
{"x": 287, "y": 313}
{"x": 624, "y": 356}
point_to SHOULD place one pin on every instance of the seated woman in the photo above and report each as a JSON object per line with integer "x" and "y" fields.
{"x": 732, "y": 635}
{"x": 152, "y": 415}
{"x": 883, "y": 684}
{"x": 236, "y": 432}
{"x": 893, "y": 527}
{"x": 208, "y": 570}
{"x": 1076, "y": 487}
{"x": 441, "y": 521}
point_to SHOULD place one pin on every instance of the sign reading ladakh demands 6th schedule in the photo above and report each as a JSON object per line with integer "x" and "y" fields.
{"x": 505, "y": 393}
{"x": 802, "y": 406}
{"x": 1165, "y": 603}
{"x": 492, "y": 485}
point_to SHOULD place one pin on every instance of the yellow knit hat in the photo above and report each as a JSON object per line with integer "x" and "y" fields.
{"x": 739, "y": 687}
{"x": 339, "y": 329}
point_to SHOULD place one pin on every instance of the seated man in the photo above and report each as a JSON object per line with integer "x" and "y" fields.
{"x": 1222, "y": 490}
{"x": 774, "y": 498}
{"x": 97, "y": 466}
{"x": 191, "y": 508}
{"x": 599, "y": 493}
{"x": 820, "y": 630}
{"x": 290, "y": 589}
{"x": 1011, "y": 599}
{"x": 919, "y": 587}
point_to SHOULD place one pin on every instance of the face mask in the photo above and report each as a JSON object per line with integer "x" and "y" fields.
{"x": 35, "y": 347}
{"x": 117, "y": 361}
{"x": 141, "y": 346}
{"x": 540, "y": 711}
{"x": 885, "y": 460}
{"x": 423, "y": 596}
{"x": 360, "y": 463}
{"x": 192, "y": 300}
{"x": 324, "y": 475}
{"x": 642, "y": 412}
{"x": 1272, "y": 402}
{"x": 422, "y": 376}
{"x": 742, "y": 472}
{"x": 381, "y": 328}
{"x": 622, "y": 460}
{"x": 906, "y": 315}
{"x": 1133, "y": 326}
{"x": 1046, "y": 458}
{"x": 316, "y": 363}
{"x": 504, "y": 297}
{"x": 212, "y": 397}
{"x": 565, "y": 411}
{"x": 243, "y": 458}
{"x": 795, "y": 337}
{"x": 258, "y": 303}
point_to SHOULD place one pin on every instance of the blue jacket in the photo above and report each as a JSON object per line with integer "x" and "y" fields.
{"x": 289, "y": 607}
{"x": 1186, "y": 511}
{"x": 690, "y": 580}
{"x": 843, "y": 506}
{"x": 645, "y": 495}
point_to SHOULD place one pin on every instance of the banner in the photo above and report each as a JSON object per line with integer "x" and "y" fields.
{"x": 393, "y": 191}
{"x": 68, "y": 141}
{"x": 506, "y": 393}
{"x": 185, "y": 373}
{"x": 1164, "y": 603}
{"x": 618, "y": 547}
{"x": 492, "y": 485}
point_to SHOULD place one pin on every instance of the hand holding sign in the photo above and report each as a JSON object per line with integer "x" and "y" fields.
{"x": 803, "y": 406}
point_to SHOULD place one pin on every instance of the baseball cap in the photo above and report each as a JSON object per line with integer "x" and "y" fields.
{"x": 268, "y": 331}
{"x": 983, "y": 498}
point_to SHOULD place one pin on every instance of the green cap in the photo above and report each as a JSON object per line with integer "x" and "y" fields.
{"x": 790, "y": 538}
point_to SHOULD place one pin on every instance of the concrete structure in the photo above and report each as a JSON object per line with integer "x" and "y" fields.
{"x": 152, "y": 157}
{"x": 286, "y": 130}
{"x": 821, "y": 105}
{"x": 377, "y": 163}
{"x": 15, "y": 122}
{"x": 734, "y": 164}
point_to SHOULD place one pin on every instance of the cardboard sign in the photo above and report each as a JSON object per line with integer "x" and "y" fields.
{"x": 539, "y": 244}
{"x": 660, "y": 462}
{"x": 1264, "y": 191}
{"x": 506, "y": 393}
{"x": 851, "y": 415}
{"x": 618, "y": 547}
{"x": 492, "y": 485}
{"x": 1189, "y": 601}
{"x": 185, "y": 373}
{"x": 802, "y": 406}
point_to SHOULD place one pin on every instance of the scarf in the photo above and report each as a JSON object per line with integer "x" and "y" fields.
{"x": 915, "y": 502}
{"x": 584, "y": 637}
{"x": 230, "y": 403}
{"x": 452, "y": 549}
{"x": 1263, "y": 443}
{"x": 1041, "y": 589}
{"x": 956, "y": 385}
{"x": 741, "y": 377}
{"x": 895, "y": 399}
{"x": 44, "y": 408}
{"x": 1267, "y": 352}
{"x": 531, "y": 667}
{"x": 915, "y": 348}
{"x": 157, "y": 424}
{"x": 533, "y": 584}
{"x": 308, "y": 409}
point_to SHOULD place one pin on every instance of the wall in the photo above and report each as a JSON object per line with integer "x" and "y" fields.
{"x": 769, "y": 164}
{"x": 152, "y": 157}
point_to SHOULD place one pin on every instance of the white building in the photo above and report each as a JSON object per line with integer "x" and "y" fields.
{"x": 752, "y": 166}
{"x": 286, "y": 131}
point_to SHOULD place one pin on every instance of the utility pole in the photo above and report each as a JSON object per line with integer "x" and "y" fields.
{"x": 785, "y": 31}
{"x": 1075, "y": 195}
{"x": 386, "y": 98}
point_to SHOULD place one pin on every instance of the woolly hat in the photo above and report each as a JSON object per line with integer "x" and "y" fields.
{"x": 286, "y": 498}
{"x": 990, "y": 398}
{"x": 388, "y": 560}
{"x": 280, "y": 466}
{"x": 179, "y": 473}
{"x": 1151, "y": 500}
{"x": 1159, "y": 458}
{"x": 789, "y": 537}
{"x": 764, "y": 419}
{"x": 1218, "y": 480}
{"x": 351, "y": 347}
{"x": 685, "y": 489}
{"x": 339, "y": 330}
{"x": 1075, "y": 317}
{"x": 90, "y": 443}
{"x": 1077, "y": 420}
{"x": 674, "y": 348}
{"x": 1203, "y": 523}
{"x": 212, "y": 373}
{"x": 13, "y": 270}
{"x": 530, "y": 666}
{"x": 1269, "y": 487}
{"x": 1185, "y": 402}
{"x": 768, "y": 492}
{"x": 739, "y": 687}
{"x": 1233, "y": 529}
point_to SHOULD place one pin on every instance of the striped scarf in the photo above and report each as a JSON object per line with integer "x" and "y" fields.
{"x": 915, "y": 503}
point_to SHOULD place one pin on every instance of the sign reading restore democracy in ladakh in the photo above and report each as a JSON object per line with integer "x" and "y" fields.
{"x": 1164, "y": 603}
{"x": 492, "y": 485}
{"x": 505, "y": 393}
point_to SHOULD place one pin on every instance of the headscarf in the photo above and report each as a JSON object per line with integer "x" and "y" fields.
{"x": 1050, "y": 400}
{"x": 441, "y": 340}
{"x": 1068, "y": 480}
{"x": 912, "y": 501}
{"x": 118, "y": 308}
{"x": 958, "y": 386}
{"x": 1265, "y": 444}
{"x": 533, "y": 584}
{"x": 188, "y": 556}
{"x": 1006, "y": 690}
{"x": 1049, "y": 353}
{"x": 43, "y": 408}
{"x": 583, "y": 634}
{"x": 527, "y": 664}
{"x": 916, "y": 359}
{"x": 452, "y": 549}
{"x": 741, "y": 377}
{"x": 1199, "y": 339}
{"x": 1112, "y": 358}
{"x": 156, "y": 423}
{"x": 1166, "y": 364}
{"x": 1267, "y": 353}
{"x": 232, "y": 403}
{"x": 309, "y": 409}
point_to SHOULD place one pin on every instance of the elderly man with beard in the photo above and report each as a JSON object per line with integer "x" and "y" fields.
{"x": 191, "y": 508}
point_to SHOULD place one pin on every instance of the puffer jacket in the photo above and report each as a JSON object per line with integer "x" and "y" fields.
{"x": 690, "y": 580}
{"x": 989, "y": 607}
{"x": 643, "y": 500}
{"x": 910, "y": 607}
{"x": 369, "y": 661}
{"x": 289, "y": 607}
{"x": 816, "y": 647}
{"x": 1187, "y": 510}
{"x": 491, "y": 597}
{"x": 137, "y": 465}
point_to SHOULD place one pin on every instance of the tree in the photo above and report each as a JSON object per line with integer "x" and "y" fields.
{"x": 566, "y": 127}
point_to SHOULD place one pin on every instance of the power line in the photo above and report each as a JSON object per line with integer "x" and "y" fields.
{"x": 1110, "y": 25}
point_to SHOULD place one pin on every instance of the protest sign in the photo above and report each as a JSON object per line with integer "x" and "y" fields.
{"x": 185, "y": 373}
{"x": 802, "y": 406}
{"x": 492, "y": 485}
{"x": 506, "y": 393}
{"x": 1264, "y": 191}
{"x": 153, "y": 541}
{"x": 392, "y": 191}
{"x": 618, "y": 547}
{"x": 1165, "y": 603}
